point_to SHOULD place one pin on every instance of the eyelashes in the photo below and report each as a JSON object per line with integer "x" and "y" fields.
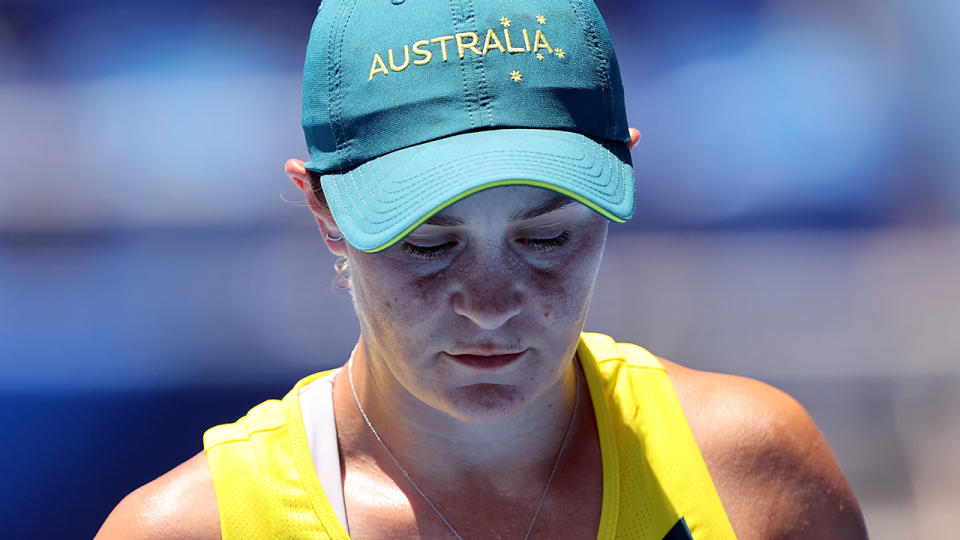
{"x": 427, "y": 252}
{"x": 541, "y": 245}
{"x": 538, "y": 245}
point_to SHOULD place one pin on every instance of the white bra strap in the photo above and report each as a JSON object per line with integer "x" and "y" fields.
{"x": 316, "y": 406}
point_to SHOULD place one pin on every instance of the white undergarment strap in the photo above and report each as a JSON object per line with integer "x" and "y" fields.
{"x": 316, "y": 406}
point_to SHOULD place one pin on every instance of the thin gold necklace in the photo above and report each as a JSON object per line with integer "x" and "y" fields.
{"x": 543, "y": 496}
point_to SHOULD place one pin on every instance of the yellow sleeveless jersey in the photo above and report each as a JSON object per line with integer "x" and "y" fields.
{"x": 655, "y": 483}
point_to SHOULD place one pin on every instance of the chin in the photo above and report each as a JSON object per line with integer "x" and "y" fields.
{"x": 483, "y": 404}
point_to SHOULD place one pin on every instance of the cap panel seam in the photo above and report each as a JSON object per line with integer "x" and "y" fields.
{"x": 602, "y": 68}
{"x": 463, "y": 69}
{"x": 331, "y": 69}
{"x": 484, "y": 99}
{"x": 343, "y": 143}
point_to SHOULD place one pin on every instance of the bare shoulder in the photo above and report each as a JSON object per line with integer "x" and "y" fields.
{"x": 773, "y": 469}
{"x": 179, "y": 504}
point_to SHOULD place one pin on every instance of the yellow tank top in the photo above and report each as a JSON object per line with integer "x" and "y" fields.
{"x": 655, "y": 483}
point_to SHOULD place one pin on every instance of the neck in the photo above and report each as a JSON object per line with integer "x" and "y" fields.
{"x": 433, "y": 445}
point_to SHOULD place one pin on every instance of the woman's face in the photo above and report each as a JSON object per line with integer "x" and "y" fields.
{"x": 478, "y": 311}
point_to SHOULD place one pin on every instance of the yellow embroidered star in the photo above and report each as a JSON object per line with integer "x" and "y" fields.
{"x": 516, "y": 76}
{"x": 539, "y": 56}
{"x": 560, "y": 53}
{"x": 541, "y": 19}
{"x": 505, "y": 21}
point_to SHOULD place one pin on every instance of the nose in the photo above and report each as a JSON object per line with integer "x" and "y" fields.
{"x": 488, "y": 301}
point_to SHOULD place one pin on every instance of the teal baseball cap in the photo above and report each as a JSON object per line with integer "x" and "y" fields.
{"x": 412, "y": 105}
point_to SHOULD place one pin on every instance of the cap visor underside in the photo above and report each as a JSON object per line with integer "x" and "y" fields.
{"x": 379, "y": 202}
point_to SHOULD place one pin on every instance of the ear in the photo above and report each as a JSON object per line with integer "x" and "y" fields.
{"x": 634, "y": 138}
{"x": 328, "y": 227}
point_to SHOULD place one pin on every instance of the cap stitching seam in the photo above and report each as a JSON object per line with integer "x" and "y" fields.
{"x": 345, "y": 143}
{"x": 503, "y": 153}
{"x": 568, "y": 162}
{"x": 463, "y": 70}
{"x": 426, "y": 176}
{"x": 331, "y": 68}
{"x": 402, "y": 203}
{"x": 360, "y": 195}
{"x": 602, "y": 69}
{"x": 483, "y": 99}
{"x": 357, "y": 201}
{"x": 341, "y": 192}
{"x": 583, "y": 179}
{"x": 410, "y": 203}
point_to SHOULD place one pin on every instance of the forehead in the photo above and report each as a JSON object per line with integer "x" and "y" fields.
{"x": 509, "y": 203}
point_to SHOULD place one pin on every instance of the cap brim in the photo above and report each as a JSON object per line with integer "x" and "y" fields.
{"x": 379, "y": 202}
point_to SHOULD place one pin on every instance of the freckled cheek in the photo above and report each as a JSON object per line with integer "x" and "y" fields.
{"x": 563, "y": 291}
{"x": 394, "y": 303}
{"x": 558, "y": 295}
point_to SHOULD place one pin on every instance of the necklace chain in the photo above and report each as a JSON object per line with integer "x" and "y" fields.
{"x": 543, "y": 496}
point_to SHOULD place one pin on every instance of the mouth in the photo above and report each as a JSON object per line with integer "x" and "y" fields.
{"x": 484, "y": 360}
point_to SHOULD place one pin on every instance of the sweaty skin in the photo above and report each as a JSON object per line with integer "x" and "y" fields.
{"x": 476, "y": 279}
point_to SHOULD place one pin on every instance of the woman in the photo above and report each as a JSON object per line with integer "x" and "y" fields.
{"x": 465, "y": 161}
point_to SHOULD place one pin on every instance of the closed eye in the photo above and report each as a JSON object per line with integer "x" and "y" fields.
{"x": 427, "y": 252}
{"x": 541, "y": 245}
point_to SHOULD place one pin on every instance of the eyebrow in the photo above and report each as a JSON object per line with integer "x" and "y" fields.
{"x": 441, "y": 220}
{"x": 554, "y": 203}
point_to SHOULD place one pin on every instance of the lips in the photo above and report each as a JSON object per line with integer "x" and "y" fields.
{"x": 486, "y": 360}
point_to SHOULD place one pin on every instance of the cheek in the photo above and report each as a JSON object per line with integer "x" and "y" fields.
{"x": 392, "y": 304}
{"x": 566, "y": 287}
{"x": 563, "y": 291}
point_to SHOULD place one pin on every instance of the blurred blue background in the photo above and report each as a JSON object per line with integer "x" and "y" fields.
{"x": 798, "y": 221}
